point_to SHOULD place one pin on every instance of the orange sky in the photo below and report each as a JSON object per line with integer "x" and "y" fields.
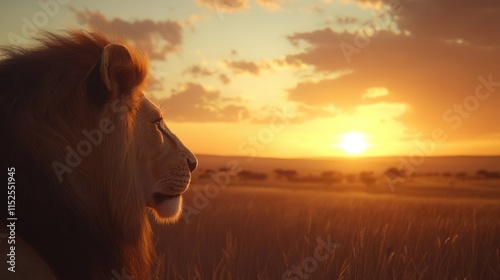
{"x": 288, "y": 78}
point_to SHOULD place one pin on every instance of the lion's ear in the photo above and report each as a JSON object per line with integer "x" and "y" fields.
{"x": 117, "y": 69}
{"x": 113, "y": 76}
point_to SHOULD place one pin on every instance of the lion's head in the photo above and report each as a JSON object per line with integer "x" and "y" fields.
{"x": 165, "y": 163}
{"x": 92, "y": 153}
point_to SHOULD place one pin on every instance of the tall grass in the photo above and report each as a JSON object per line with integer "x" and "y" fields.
{"x": 258, "y": 233}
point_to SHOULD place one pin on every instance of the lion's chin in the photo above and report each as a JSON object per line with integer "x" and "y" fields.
{"x": 167, "y": 209}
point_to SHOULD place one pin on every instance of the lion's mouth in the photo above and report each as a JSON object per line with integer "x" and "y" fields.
{"x": 167, "y": 206}
{"x": 159, "y": 197}
{"x": 166, "y": 200}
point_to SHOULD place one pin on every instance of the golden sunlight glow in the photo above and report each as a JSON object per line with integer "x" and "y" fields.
{"x": 353, "y": 142}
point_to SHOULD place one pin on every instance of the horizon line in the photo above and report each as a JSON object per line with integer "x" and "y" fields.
{"x": 345, "y": 157}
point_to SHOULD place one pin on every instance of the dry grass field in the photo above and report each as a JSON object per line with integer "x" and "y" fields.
{"x": 273, "y": 231}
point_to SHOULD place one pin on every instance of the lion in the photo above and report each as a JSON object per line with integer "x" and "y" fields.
{"x": 92, "y": 155}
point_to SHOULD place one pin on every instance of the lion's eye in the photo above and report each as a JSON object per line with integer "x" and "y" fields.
{"x": 159, "y": 123}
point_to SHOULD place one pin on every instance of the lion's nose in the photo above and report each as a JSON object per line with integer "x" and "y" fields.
{"x": 192, "y": 164}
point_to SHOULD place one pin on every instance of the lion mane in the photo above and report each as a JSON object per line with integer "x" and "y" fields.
{"x": 87, "y": 222}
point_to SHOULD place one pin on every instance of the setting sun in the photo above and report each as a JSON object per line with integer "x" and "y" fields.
{"x": 353, "y": 142}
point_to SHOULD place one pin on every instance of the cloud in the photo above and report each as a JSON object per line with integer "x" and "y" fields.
{"x": 229, "y": 6}
{"x": 224, "y": 6}
{"x": 346, "y": 20}
{"x": 224, "y": 79}
{"x": 306, "y": 113}
{"x": 324, "y": 92}
{"x": 271, "y": 5}
{"x": 193, "y": 19}
{"x": 382, "y": 110}
{"x": 471, "y": 21}
{"x": 375, "y": 92}
{"x": 194, "y": 103}
{"x": 288, "y": 61}
{"x": 316, "y": 9}
{"x": 425, "y": 67}
{"x": 198, "y": 70}
{"x": 460, "y": 19}
{"x": 158, "y": 38}
{"x": 242, "y": 66}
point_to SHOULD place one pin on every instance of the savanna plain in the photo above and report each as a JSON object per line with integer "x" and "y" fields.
{"x": 432, "y": 225}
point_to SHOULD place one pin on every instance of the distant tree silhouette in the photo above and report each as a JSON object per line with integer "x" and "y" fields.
{"x": 327, "y": 174}
{"x": 394, "y": 175}
{"x": 311, "y": 179}
{"x": 481, "y": 172}
{"x": 223, "y": 169}
{"x": 330, "y": 177}
{"x": 485, "y": 174}
{"x": 249, "y": 175}
{"x": 394, "y": 171}
{"x": 206, "y": 174}
{"x": 288, "y": 174}
{"x": 446, "y": 174}
{"x": 368, "y": 178}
